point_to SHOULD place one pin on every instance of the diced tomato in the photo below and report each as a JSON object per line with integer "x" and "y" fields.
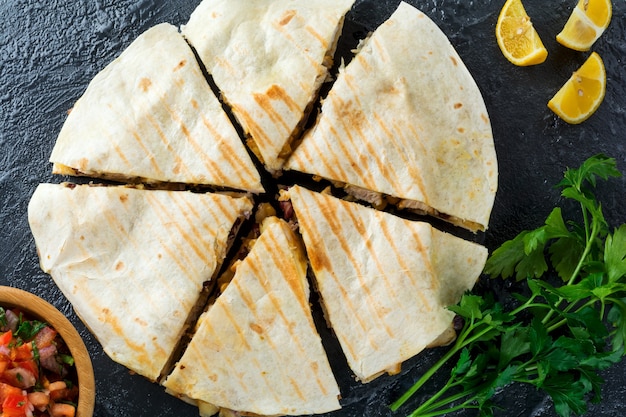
{"x": 15, "y": 406}
{"x": 7, "y": 390}
{"x": 30, "y": 365}
{"x": 5, "y": 338}
{"x": 23, "y": 352}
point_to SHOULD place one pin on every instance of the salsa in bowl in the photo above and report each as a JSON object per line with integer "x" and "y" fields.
{"x": 45, "y": 369}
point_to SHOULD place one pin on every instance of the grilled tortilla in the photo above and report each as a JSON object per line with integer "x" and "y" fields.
{"x": 385, "y": 282}
{"x": 133, "y": 262}
{"x": 256, "y": 349}
{"x": 268, "y": 58}
{"x": 405, "y": 119}
{"x": 150, "y": 115}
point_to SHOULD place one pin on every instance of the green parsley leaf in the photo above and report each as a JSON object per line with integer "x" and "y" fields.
{"x": 515, "y": 342}
{"x": 503, "y": 260}
{"x": 27, "y": 329}
{"x": 469, "y": 307}
{"x": 565, "y": 253}
{"x": 538, "y": 337}
{"x": 567, "y": 394}
{"x": 596, "y": 166}
{"x": 615, "y": 254}
{"x": 3, "y": 318}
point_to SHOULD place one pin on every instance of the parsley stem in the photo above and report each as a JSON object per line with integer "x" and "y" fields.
{"x": 428, "y": 406}
{"x": 426, "y": 376}
{"x": 461, "y": 341}
{"x": 465, "y": 405}
{"x": 579, "y": 265}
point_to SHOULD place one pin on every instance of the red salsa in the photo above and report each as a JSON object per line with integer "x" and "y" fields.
{"x": 37, "y": 374}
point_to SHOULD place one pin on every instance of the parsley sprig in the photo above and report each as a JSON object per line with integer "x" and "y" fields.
{"x": 568, "y": 323}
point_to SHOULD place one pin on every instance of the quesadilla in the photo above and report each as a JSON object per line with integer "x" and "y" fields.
{"x": 406, "y": 120}
{"x": 150, "y": 115}
{"x": 384, "y": 281}
{"x": 269, "y": 59}
{"x": 256, "y": 349}
{"x": 134, "y": 263}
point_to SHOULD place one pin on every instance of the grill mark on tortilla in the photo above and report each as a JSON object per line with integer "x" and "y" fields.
{"x": 364, "y": 63}
{"x": 320, "y": 38}
{"x": 414, "y": 171}
{"x": 268, "y": 383}
{"x": 225, "y": 211}
{"x": 316, "y": 35}
{"x": 140, "y": 356}
{"x": 276, "y": 92}
{"x": 148, "y": 153}
{"x": 80, "y": 281}
{"x": 235, "y": 326}
{"x": 264, "y": 102}
{"x": 230, "y": 155}
{"x": 262, "y": 282}
{"x": 209, "y": 164}
{"x": 121, "y": 230}
{"x": 378, "y": 309}
{"x": 261, "y": 138}
{"x": 179, "y": 161}
{"x": 286, "y": 17}
{"x": 98, "y": 309}
{"x": 215, "y": 339}
{"x": 250, "y": 303}
{"x": 168, "y": 218}
{"x": 294, "y": 384}
{"x": 120, "y": 153}
{"x": 403, "y": 266}
{"x": 384, "y": 169}
{"x": 413, "y": 167}
{"x": 368, "y": 180}
{"x": 330, "y": 168}
{"x": 314, "y": 235}
{"x": 289, "y": 272}
{"x": 191, "y": 214}
{"x": 126, "y": 237}
{"x": 331, "y": 216}
{"x": 227, "y": 68}
{"x": 299, "y": 294}
{"x": 283, "y": 31}
{"x": 434, "y": 283}
{"x": 384, "y": 57}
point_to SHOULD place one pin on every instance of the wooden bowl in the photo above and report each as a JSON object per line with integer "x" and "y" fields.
{"x": 41, "y": 310}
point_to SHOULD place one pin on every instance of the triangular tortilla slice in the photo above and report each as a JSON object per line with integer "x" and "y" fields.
{"x": 134, "y": 263}
{"x": 385, "y": 282}
{"x": 150, "y": 115}
{"x": 256, "y": 349}
{"x": 405, "y": 119}
{"x": 269, "y": 59}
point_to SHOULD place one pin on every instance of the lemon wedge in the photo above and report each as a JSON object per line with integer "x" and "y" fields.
{"x": 516, "y": 36}
{"x": 586, "y": 24}
{"x": 582, "y": 94}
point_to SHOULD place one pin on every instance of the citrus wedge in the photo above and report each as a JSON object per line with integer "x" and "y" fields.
{"x": 516, "y": 36}
{"x": 582, "y": 94}
{"x": 586, "y": 24}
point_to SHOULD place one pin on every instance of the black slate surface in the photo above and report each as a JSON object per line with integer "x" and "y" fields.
{"x": 49, "y": 51}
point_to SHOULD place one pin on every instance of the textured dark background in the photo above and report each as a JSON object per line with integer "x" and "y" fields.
{"x": 49, "y": 50}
